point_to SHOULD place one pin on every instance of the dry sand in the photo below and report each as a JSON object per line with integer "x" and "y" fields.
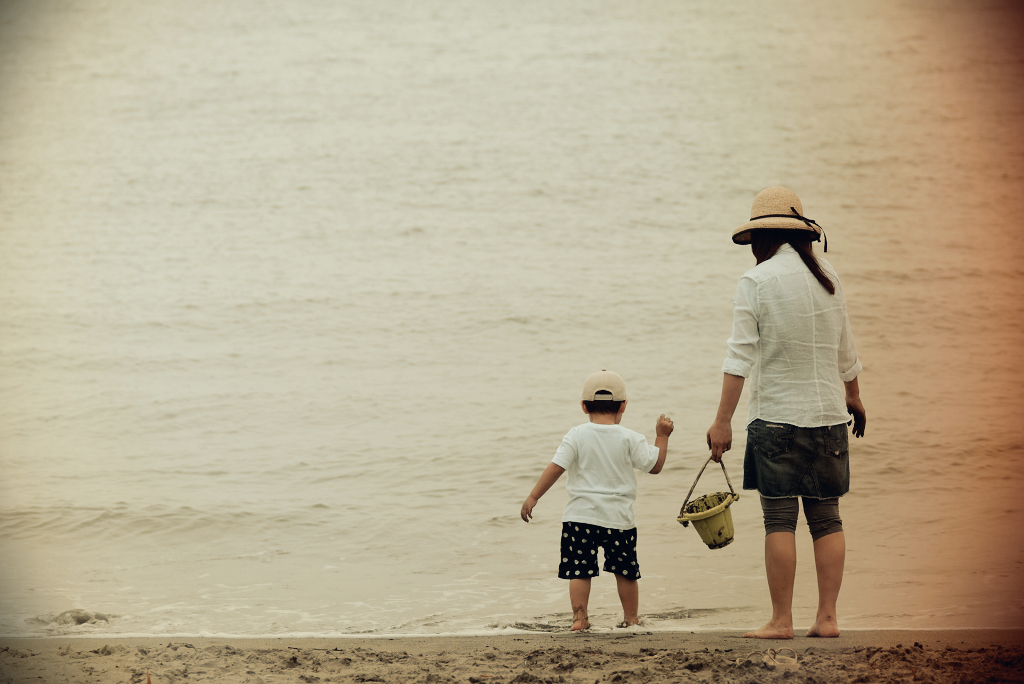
{"x": 621, "y": 656}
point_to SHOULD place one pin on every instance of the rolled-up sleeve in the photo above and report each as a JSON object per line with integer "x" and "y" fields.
{"x": 743, "y": 342}
{"x": 849, "y": 364}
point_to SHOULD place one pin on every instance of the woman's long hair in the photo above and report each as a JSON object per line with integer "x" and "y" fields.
{"x": 766, "y": 242}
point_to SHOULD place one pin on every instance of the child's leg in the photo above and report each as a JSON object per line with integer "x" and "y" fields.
{"x": 579, "y": 596}
{"x": 629, "y": 596}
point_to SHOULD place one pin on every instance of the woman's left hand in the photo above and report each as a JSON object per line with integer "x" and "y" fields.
{"x": 860, "y": 417}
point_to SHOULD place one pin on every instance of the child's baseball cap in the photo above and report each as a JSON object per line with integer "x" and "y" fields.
{"x": 604, "y": 381}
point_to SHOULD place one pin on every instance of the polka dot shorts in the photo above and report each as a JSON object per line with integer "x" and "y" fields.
{"x": 579, "y": 551}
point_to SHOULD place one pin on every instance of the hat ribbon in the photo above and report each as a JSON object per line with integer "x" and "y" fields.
{"x": 796, "y": 214}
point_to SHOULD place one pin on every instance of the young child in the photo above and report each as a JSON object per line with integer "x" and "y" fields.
{"x": 600, "y": 457}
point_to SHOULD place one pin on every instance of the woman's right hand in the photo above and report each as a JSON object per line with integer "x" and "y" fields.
{"x": 719, "y": 439}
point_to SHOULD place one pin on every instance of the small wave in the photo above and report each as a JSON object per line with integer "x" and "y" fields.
{"x": 530, "y": 626}
{"x": 70, "y": 618}
{"x": 182, "y": 524}
{"x": 685, "y": 613}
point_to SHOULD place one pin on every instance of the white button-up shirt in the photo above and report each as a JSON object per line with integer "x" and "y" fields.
{"x": 792, "y": 339}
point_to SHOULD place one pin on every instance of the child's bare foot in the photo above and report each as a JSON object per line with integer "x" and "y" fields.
{"x": 772, "y": 630}
{"x": 579, "y": 620}
{"x": 827, "y": 628}
{"x": 628, "y": 623}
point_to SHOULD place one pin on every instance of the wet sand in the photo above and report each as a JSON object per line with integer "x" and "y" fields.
{"x": 634, "y": 656}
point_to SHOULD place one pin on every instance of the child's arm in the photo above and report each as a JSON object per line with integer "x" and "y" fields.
{"x": 664, "y": 428}
{"x": 547, "y": 478}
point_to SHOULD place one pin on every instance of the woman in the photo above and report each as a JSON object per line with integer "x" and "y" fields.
{"x": 791, "y": 336}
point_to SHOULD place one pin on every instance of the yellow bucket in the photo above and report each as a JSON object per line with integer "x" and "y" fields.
{"x": 710, "y": 513}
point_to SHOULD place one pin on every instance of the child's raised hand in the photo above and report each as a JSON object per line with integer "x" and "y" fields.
{"x": 664, "y": 426}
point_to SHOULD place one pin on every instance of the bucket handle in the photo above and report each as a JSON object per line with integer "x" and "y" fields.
{"x": 721, "y": 463}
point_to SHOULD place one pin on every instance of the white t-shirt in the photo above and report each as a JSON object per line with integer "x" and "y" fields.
{"x": 793, "y": 340}
{"x": 599, "y": 461}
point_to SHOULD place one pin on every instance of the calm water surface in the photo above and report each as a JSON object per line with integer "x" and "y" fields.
{"x": 297, "y": 301}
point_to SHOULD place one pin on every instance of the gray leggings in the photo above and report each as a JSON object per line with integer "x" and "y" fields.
{"x": 822, "y": 516}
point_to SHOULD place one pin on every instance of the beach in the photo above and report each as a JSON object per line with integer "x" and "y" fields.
{"x": 298, "y": 300}
{"x": 620, "y": 656}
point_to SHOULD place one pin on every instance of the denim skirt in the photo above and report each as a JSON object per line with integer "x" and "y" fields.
{"x": 783, "y": 461}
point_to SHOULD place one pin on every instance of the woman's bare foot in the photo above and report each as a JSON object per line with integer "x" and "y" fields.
{"x": 579, "y": 620}
{"x": 772, "y": 630}
{"x": 629, "y": 623}
{"x": 828, "y": 629}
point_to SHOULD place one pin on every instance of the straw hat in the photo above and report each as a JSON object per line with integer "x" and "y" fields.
{"x": 776, "y": 208}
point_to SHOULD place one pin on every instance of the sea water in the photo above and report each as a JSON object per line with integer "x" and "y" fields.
{"x": 298, "y": 298}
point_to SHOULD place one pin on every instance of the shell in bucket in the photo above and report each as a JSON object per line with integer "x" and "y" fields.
{"x": 711, "y": 518}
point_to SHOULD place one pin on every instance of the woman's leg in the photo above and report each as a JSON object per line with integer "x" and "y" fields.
{"x": 829, "y": 561}
{"x": 780, "y": 566}
{"x": 579, "y": 597}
